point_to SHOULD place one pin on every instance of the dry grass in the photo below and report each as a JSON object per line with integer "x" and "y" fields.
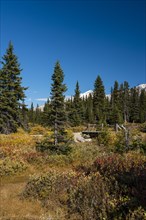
{"x": 12, "y": 207}
{"x": 14, "y": 146}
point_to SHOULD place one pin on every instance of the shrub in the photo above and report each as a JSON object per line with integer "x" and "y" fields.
{"x": 143, "y": 127}
{"x": 84, "y": 153}
{"x": 33, "y": 157}
{"x": 89, "y": 198}
{"x": 49, "y": 186}
{"x": 128, "y": 171}
{"x": 105, "y": 138}
{"x": 38, "y": 130}
{"x": 137, "y": 214}
{"x": 14, "y": 145}
{"x": 114, "y": 187}
{"x": 137, "y": 143}
{"x": 46, "y": 145}
{"x": 78, "y": 128}
{"x": 9, "y": 167}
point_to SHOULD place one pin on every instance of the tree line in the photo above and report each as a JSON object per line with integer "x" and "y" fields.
{"x": 124, "y": 105}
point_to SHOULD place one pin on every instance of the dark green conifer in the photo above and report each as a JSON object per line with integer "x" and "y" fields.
{"x": 142, "y": 106}
{"x": 38, "y": 115}
{"x": 46, "y": 114}
{"x": 77, "y": 111}
{"x": 11, "y": 94}
{"x": 89, "y": 116}
{"x": 99, "y": 101}
{"x": 134, "y": 105}
{"x": 116, "y": 112}
{"x": 58, "y": 113}
{"x": 31, "y": 114}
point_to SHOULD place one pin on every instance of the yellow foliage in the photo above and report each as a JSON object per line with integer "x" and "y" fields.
{"x": 16, "y": 144}
{"x": 37, "y": 130}
{"x": 69, "y": 133}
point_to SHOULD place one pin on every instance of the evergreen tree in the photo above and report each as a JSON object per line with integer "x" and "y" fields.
{"x": 69, "y": 111}
{"x": 38, "y": 115}
{"x": 99, "y": 100}
{"x": 134, "y": 105}
{"x": 108, "y": 110}
{"x": 31, "y": 114}
{"x": 89, "y": 116}
{"x": 46, "y": 114}
{"x": 77, "y": 113}
{"x": 12, "y": 95}
{"x": 124, "y": 101}
{"x": 58, "y": 114}
{"x": 116, "y": 112}
{"x": 142, "y": 106}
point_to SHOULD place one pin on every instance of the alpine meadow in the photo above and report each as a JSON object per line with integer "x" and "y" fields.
{"x": 75, "y": 156}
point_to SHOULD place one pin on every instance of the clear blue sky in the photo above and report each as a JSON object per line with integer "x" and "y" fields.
{"x": 89, "y": 37}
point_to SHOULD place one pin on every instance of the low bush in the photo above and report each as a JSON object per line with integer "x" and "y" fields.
{"x": 84, "y": 153}
{"x": 16, "y": 144}
{"x": 138, "y": 214}
{"x": 143, "y": 127}
{"x": 38, "y": 130}
{"x": 114, "y": 187}
{"x": 52, "y": 185}
{"x": 129, "y": 171}
{"x": 89, "y": 198}
{"x": 106, "y": 138}
{"x": 11, "y": 167}
{"x": 46, "y": 145}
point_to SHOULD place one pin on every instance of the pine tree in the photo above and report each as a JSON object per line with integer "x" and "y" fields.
{"x": 116, "y": 112}
{"x": 134, "y": 105}
{"x": 77, "y": 111}
{"x": 38, "y": 115}
{"x": 12, "y": 95}
{"x": 58, "y": 114}
{"x": 31, "y": 114}
{"x": 107, "y": 110}
{"x": 142, "y": 106}
{"x": 69, "y": 111}
{"x": 99, "y": 101}
{"x": 46, "y": 114}
{"x": 124, "y": 100}
{"x": 89, "y": 116}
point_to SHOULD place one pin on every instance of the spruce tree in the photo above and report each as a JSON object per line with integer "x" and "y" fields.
{"x": 116, "y": 114}
{"x": 99, "y": 101}
{"x": 38, "y": 115}
{"x": 124, "y": 101}
{"x": 12, "y": 95}
{"x": 46, "y": 114}
{"x": 31, "y": 114}
{"x": 89, "y": 110}
{"x": 58, "y": 113}
{"x": 77, "y": 113}
{"x": 134, "y": 105}
{"x": 142, "y": 106}
{"x": 69, "y": 111}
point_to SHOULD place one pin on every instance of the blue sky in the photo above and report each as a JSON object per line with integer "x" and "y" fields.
{"x": 89, "y": 37}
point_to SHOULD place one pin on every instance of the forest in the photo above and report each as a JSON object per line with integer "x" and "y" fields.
{"x": 46, "y": 174}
